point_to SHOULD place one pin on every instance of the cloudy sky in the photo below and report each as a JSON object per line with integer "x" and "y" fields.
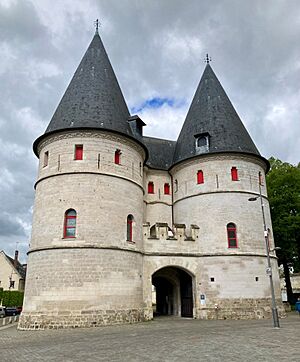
{"x": 157, "y": 49}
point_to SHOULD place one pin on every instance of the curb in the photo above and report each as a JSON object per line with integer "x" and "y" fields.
{"x": 8, "y": 320}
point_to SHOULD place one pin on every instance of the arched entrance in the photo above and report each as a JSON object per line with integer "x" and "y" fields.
{"x": 173, "y": 292}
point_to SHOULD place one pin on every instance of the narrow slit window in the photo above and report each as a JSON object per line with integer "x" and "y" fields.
{"x": 70, "y": 224}
{"x": 129, "y": 227}
{"x": 150, "y": 187}
{"x": 231, "y": 235}
{"x": 200, "y": 177}
{"x": 78, "y": 152}
{"x": 118, "y": 157}
{"x": 46, "y": 158}
{"x": 260, "y": 179}
{"x": 167, "y": 189}
{"x": 234, "y": 174}
{"x": 176, "y": 185}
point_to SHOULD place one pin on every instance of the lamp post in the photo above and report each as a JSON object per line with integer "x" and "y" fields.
{"x": 269, "y": 269}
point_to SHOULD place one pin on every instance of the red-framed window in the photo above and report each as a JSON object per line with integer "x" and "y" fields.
{"x": 200, "y": 177}
{"x": 78, "y": 152}
{"x": 46, "y": 158}
{"x": 118, "y": 157}
{"x": 234, "y": 174}
{"x": 150, "y": 187}
{"x": 167, "y": 189}
{"x": 70, "y": 224}
{"x": 129, "y": 227}
{"x": 231, "y": 235}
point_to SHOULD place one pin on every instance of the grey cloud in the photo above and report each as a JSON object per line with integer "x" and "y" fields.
{"x": 10, "y": 226}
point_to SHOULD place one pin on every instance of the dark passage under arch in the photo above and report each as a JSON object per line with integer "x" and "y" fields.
{"x": 173, "y": 292}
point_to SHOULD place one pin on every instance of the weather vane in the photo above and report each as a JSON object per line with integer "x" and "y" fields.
{"x": 97, "y": 24}
{"x": 207, "y": 59}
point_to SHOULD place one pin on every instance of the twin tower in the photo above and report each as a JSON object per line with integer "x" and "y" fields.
{"x": 126, "y": 226}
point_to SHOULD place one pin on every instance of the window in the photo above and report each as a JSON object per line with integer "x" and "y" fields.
{"x": 167, "y": 189}
{"x": 260, "y": 179}
{"x": 70, "y": 224}
{"x": 200, "y": 177}
{"x": 118, "y": 157}
{"x": 46, "y": 158}
{"x": 231, "y": 235}
{"x": 129, "y": 227}
{"x": 234, "y": 174}
{"x": 202, "y": 142}
{"x": 78, "y": 152}
{"x": 176, "y": 185}
{"x": 150, "y": 187}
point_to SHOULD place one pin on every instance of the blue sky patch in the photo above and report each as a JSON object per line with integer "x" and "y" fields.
{"x": 156, "y": 102}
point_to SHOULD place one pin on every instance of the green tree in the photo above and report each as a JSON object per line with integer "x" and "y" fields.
{"x": 283, "y": 181}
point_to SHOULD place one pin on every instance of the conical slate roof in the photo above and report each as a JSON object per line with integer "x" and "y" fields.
{"x": 212, "y": 115}
{"x": 93, "y": 98}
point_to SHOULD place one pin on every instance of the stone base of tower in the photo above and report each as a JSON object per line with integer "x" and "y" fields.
{"x": 240, "y": 309}
{"x": 84, "y": 319}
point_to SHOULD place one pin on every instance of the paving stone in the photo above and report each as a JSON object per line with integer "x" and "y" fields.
{"x": 165, "y": 339}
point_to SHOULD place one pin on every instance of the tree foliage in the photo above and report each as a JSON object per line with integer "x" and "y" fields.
{"x": 283, "y": 181}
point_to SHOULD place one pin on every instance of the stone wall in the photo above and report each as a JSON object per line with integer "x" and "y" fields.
{"x": 95, "y": 277}
{"x": 158, "y": 206}
{"x": 82, "y": 287}
{"x": 235, "y": 286}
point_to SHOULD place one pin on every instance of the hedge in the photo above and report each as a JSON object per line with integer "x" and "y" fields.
{"x": 11, "y": 298}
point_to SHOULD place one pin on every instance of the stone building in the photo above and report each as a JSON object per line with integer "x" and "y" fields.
{"x": 117, "y": 213}
{"x": 12, "y": 272}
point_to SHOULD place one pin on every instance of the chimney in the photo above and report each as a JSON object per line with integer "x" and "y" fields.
{"x": 16, "y": 258}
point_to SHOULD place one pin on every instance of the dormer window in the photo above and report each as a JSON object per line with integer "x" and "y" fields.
{"x": 202, "y": 143}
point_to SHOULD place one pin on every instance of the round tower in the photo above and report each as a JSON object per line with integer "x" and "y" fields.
{"x": 85, "y": 261}
{"x": 216, "y": 170}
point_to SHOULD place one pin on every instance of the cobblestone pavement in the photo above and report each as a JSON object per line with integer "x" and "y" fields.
{"x": 164, "y": 339}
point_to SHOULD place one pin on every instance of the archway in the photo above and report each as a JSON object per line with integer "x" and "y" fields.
{"x": 173, "y": 292}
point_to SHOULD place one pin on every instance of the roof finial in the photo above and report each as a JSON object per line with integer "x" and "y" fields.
{"x": 207, "y": 59}
{"x": 97, "y": 23}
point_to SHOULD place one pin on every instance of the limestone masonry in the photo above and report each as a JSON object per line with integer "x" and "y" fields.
{"x": 127, "y": 226}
